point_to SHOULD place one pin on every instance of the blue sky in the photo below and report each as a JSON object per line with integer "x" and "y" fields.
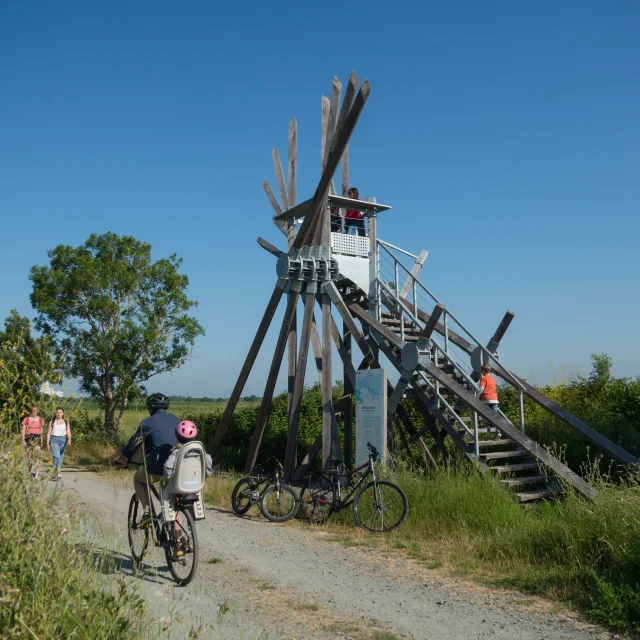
{"x": 504, "y": 134}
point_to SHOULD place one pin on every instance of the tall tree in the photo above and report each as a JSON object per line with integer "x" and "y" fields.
{"x": 27, "y": 362}
{"x": 119, "y": 317}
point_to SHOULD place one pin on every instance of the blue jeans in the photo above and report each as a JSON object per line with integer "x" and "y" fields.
{"x": 58, "y": 445}
{"x": 493, "y": 406}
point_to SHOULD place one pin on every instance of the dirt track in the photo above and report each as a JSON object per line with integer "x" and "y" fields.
{"x": 260, "y": 580}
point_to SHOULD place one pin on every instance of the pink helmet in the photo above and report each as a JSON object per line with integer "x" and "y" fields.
{"x": 186, "y": 430}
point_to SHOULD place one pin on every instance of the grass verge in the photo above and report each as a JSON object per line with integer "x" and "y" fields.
{"x": 49, "y": 581}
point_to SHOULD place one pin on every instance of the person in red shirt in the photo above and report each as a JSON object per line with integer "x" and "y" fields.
{"x": 32, "y": 439}
{"x": 488, "y": 388}
{"x": 353, "y": 218}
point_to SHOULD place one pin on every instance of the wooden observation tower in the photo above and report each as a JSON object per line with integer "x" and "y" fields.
{"x": 369, "y": 293}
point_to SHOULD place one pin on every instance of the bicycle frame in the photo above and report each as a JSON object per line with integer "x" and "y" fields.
{"x": 341, "y": 504}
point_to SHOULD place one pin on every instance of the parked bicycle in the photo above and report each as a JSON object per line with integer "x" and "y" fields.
{"x": 278, "y": 502}
{"x": 379, "y": 506}
{"x": 172, "y": 524}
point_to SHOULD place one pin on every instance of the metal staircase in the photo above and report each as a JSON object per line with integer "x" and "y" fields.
{"x": 438, "y": 359}
{"x": 498, "y": 453}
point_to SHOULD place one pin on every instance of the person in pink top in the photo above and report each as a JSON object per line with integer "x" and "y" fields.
{"x": 32, "y": 439}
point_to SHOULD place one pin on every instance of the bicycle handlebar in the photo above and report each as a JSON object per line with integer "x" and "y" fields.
{"x": 373, "y": 450}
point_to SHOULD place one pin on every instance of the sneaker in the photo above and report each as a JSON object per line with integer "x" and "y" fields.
{"x": 145, "y": 521}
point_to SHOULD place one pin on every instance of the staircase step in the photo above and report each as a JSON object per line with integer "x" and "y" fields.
{"x": 517, "y": 453}
{"x": 495, "y": 443}
{"x": 529, "y": 496}
{"x": 510, "y": 468}
{"x": 517, "y": 482}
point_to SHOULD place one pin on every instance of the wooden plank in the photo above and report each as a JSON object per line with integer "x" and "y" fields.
{"x": 277, "y": 165}
{"x": 265, "y": 404}
{"x": 407, "y": 288}
{"x": 296, "y": 400}
{"x": 292, "y": 194}
{"x": 272, "y": 305}
{"x": 270, "y": 248}
{"x": 276, "y": 207}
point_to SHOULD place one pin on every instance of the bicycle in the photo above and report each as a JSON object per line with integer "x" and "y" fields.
{"x": 379, "y": 506}
{"x": 172, "y": 527}
{"x": 277, "y": 501}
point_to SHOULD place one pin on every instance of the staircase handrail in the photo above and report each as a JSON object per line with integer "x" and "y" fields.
{"x": 512, "y": 378}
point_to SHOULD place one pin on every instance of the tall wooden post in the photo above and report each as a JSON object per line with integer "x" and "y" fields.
{"x": 327, "y": 400}
{"x": 347, "y": 410}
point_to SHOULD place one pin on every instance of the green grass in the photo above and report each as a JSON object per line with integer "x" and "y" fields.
{"x": 50, "y": 585}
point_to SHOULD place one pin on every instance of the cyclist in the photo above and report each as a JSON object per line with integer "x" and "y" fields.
{"x": 158, "y": 435}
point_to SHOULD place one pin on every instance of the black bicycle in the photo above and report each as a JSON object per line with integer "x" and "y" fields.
{"x": 278, "y": 502}
{"x": 379, "y": 506}
{"x": 178, "y": 538}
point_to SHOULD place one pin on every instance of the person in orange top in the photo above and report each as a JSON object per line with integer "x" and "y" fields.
{"x": 488, "y": 388}
{"x": 32, "y": 438}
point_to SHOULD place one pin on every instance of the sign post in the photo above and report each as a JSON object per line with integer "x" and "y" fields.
{"x": 371, "y": 413}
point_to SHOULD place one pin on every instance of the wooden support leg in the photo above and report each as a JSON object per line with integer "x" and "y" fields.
{"x": 327, "y": 397}
{"x": 246, "y": 367}
{"x": 349, "y": 390}
{"x": 271, "y": 382}
{"x": 308, "y": 459}
{"x": 296, "y": 400}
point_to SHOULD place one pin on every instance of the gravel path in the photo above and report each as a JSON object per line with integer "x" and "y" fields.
{"x": 261, "y": 580}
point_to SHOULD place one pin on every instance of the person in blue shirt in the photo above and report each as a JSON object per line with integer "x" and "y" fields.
{"x": 157, "y": 436}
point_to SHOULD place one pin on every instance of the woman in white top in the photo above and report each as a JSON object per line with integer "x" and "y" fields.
{"x": 58, "y": 439}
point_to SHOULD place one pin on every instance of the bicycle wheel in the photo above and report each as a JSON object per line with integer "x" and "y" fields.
{"x": 279, "y": 505}
{"x": 138, "y": 537}
{"x": 182, "y": 551}
{"x": 240, "y": 498}
{"x": 388, "y": 513}
{"x": 317, "y": 500}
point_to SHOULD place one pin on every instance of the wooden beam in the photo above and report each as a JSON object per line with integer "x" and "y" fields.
{"x": 308, "y": 460}
{"x": 415, "y": 270}
{"x": 273, "y": 250}
{"x": 429, "y": 328}
{"x": 416, "y": 436}
{"x": 276, "y": 207}
{"x": 331, "y": 289}
{"x": 340, "y": 142}
{"x": 265, "y": 405}
{"x": 272, "y": 305}
{"x": 292, "y": 195}
{"x": 325, "y": 107}
{"x": 277, "y": 165}
{"x": 502, "y": 328}
{"x": 349, "y": 387}
{"x": 336, "y": 92}
{"x": 328, "y": 415}
{"x": 296, "y": 400}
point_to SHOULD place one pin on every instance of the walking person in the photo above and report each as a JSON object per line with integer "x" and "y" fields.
{"x": 58, "y": 439}
{"x": 353, "y": 218}
{"x": 488, "y": 388}
{"x": 32, "y": 440}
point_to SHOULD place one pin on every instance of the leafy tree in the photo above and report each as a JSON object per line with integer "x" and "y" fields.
{"x": 119, "y": 317}
{"x": 26, "y": 362}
